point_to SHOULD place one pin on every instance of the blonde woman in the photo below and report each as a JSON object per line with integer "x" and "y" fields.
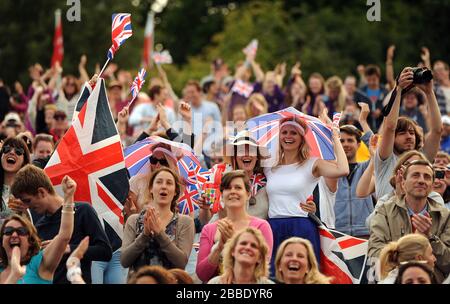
{"x": 295, "y": 263}
{"x": 336, "y": 93}
{"x": 245, "y": 259}
{"x": 408, "y": 248}
{"x": 256, "y": 105}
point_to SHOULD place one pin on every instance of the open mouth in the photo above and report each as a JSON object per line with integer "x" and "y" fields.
{"x": 247, "y": 161}
{"x": 11, "y": 160}
{"x": 163, "y": 194}
{"x": 293, "y": 267}
{"x": 289, "y": 141}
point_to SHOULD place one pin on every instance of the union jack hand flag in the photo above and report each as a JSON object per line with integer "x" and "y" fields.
{"x": 242, "y": 88}
{"x": 121, "y": 31}
{"x": 336, "y": 119}
{"x": 163, "y": 57}
{"x": 265, "y": 129}
{"x": 251, "y": 48}
{"x": 91, "y": 153}
{"x": 137, "y": 84}
{"x": 257, "y": 182}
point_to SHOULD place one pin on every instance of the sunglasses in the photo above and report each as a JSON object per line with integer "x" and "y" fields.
{"x": 22, "y": 231}
{"x": 162, "y": 162}
{"x": 19, "y": 151}
{"x": 59, "y": 117}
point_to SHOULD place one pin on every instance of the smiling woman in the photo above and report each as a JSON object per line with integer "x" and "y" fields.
{"x": 14, "y": 155}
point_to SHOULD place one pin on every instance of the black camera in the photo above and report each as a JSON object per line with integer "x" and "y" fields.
{"x": 440, "y": 174}
{"x": 422, "y": 75}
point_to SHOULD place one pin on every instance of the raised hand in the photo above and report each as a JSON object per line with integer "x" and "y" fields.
{"x": 123, "y": 115}
{"x": 364, "y": 113}
{"x": 69, "y": 187}
{"x": 406, "y": 78}
{"x": 425, "y": 55}
{"x": 185, "y": 111}
{"x": 83, "y": 60}
{"x": 93, "y": 80}
{"x": 373, "y": 143}
{"x": 296, "y": 69}
{"x": 390, "y": 53}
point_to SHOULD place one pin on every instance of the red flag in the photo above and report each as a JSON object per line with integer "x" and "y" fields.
{"x": 58, "y": 47}
{"x": 148, "y": 41}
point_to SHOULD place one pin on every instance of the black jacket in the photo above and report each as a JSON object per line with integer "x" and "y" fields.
{"x": 86, "y": 224}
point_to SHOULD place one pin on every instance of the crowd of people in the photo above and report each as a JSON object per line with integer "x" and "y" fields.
{"x": 388, "y": 184}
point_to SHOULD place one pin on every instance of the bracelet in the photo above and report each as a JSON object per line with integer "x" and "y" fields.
{"x": 72, "y": 262}
{"x": 72, "y": 273}
{"x": 66, "y": 211}
{"x": 68, "y": 205}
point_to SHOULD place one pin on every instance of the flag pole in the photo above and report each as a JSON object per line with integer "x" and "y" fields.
{"x": 103, "y": 69}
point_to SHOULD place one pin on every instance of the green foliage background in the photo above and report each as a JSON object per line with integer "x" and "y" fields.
{"x": 331, "y": 37}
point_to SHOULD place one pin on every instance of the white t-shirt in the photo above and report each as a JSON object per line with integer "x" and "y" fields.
{"x": 446, "y": 91}
{"x": 287, "y": 186}
{"x": 327, "y": 200}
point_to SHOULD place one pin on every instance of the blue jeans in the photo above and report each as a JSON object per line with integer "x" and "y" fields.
{"x": 110, "y": 272}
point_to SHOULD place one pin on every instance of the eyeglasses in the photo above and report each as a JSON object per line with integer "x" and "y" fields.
{"x": 162, "y": 162}
{"x": 59, "y": 117}
{"x": 19, "y": 151}
{"x": 22, "y": 231}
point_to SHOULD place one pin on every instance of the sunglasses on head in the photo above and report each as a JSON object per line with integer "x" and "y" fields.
{"x": 162, "y": 162}
{"x": 19, "y": 151}
{"x": 22, "y": 231}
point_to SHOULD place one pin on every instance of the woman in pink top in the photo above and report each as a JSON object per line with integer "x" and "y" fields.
{"x": 235, "y": 188}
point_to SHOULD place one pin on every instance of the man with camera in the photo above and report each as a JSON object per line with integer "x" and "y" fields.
{"x": 402, "y": 134}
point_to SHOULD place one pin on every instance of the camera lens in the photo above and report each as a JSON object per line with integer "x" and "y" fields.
{"x": 422, "y": 75}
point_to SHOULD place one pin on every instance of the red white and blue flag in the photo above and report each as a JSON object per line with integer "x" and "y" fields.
{"x": 91, "y": 153}
{"x": 149, "y": 37}
{"x": 137, "y": 84}
{"x": 265, "y": 129}
{"x": 342, "y": 256}
{"x": 251, "y": 49}
{"x": 121, "y": 31}
{"x": 336, "y": 119}
{"x": 242, "y": 88}
{"x": 257, "y": 182}
{"x": 163, "y": 57}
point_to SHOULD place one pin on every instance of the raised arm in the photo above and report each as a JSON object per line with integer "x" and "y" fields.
{"x": 82, "y": 69}
{"x": 390, "y": 67}
{"x": 167, "y": 84}
{"x": 333, "y": 169}
{"x": 386, "y": 147}
{"x": 363, "y": 114}
{"x": 55, "y": 250}
{"x": 433, "y": 138}
{"x": 257, "y": 70}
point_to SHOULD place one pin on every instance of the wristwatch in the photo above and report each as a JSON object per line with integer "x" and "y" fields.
{"x": 433, "y": 238}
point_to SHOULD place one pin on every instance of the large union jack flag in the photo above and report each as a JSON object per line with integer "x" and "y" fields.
{"x": 342, "y": 256}
{"x": 91, "y": 153}
{"x": 121, "y": 31}
{"x": 265, "y": 128}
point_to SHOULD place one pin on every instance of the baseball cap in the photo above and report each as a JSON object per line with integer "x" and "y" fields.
{"x": 446, "y": 120}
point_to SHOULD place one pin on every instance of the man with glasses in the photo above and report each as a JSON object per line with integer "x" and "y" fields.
{"x": 414, "y": 212}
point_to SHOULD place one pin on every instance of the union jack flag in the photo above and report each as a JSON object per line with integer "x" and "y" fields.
{"x": 265, "y": 129}
{"x": 258, "y": 181}
{"x": 342, "y": 256}
{"x": 242, "y": 88}
{"x": 121, "y": 31}
{"x": 91, "y": 153}
{"x": 85, "y": 93}
{"x": 138, "y": 82}
{"x": 163, "y": 57}
{"x": 251, "y": 48}
{"x": 188, "y": 202}
{"x": 336, "y": 119}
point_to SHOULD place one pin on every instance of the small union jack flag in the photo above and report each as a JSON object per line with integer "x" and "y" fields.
{"x": 188, "y": 202}
{"x": 138, "y": 83}
{"x": 242, "y": 88}
{"x": 258, "y": 181}
{"x": 121, "y": 31}
{"x": 336, "y": 119}
{"x": 163, "y": 57}
{"x": 251, "y": 48}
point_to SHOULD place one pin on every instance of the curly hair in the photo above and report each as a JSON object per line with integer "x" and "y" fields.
{"x": 33, "y": 239}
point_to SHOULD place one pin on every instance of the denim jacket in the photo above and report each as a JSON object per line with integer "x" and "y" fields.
{"x": 351, "y": 212}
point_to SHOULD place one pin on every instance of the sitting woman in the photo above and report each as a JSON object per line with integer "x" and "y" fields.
{"x": 295, "y": 263}
{"x": 245, "y": 259}
{"x": 415, "y": 272}
{"x": 235, "y": 190}
{"x": 158, "y": 235}
{"x": 407, "y": 248}
{"x": 18, "y": 232}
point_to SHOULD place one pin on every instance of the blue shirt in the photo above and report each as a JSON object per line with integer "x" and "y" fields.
{"x": 32, "y": 273}
{"x": 445, "y": 144}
